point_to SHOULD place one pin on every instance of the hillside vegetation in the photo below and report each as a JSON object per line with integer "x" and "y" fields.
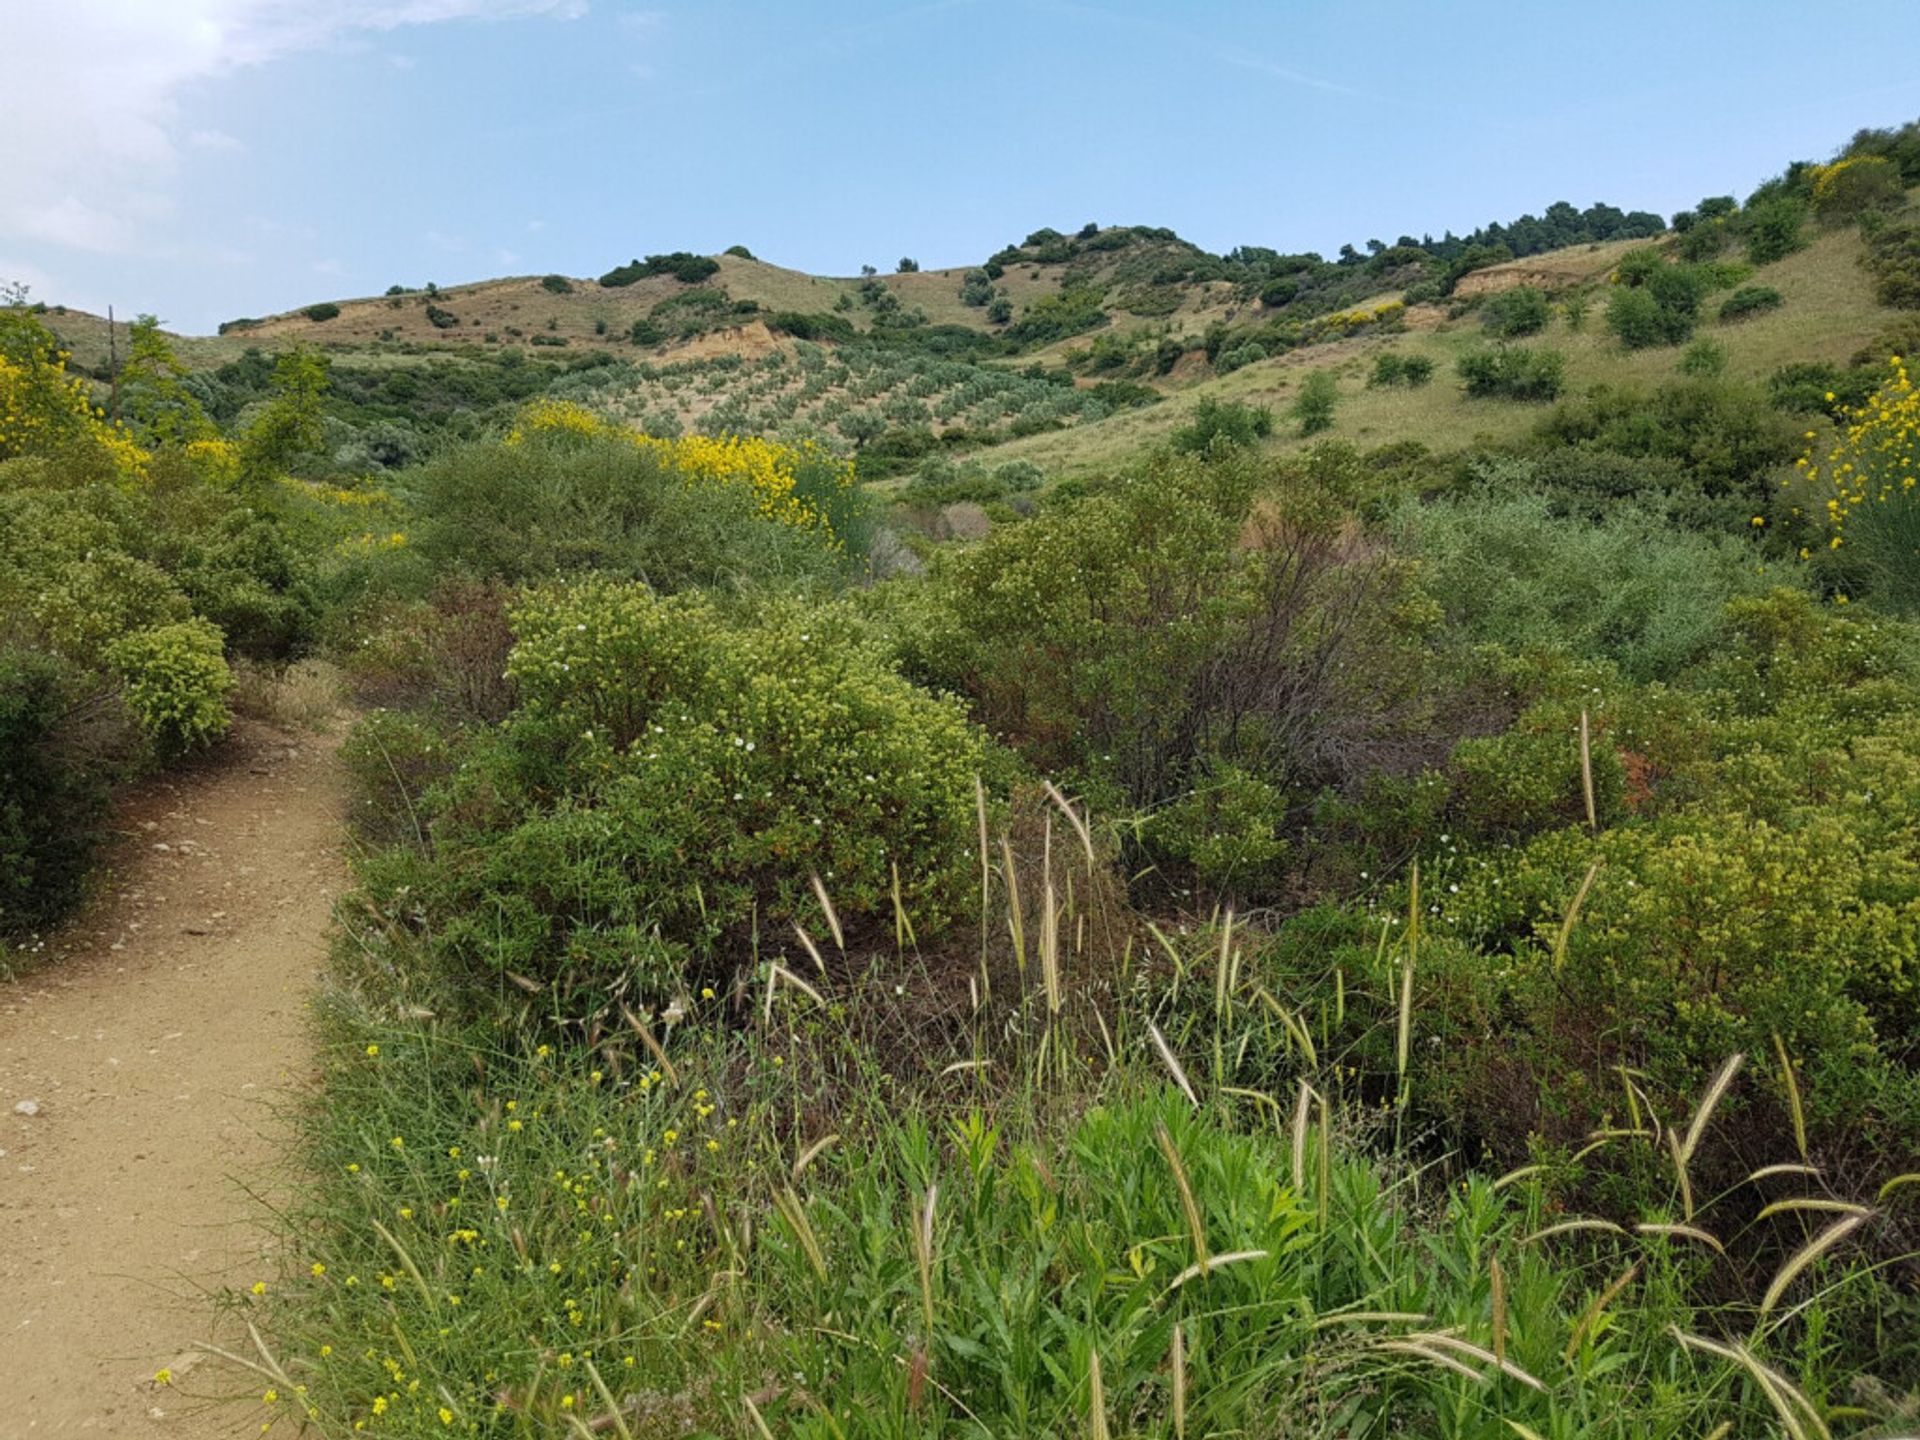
{"x": 1256, "y": 845}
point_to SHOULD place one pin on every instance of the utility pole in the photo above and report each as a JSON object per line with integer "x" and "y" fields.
{"x": 113, "y": 370}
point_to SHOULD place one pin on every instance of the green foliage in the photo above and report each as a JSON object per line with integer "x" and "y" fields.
{"x": 1512, "y": 313}
{"x": 1277, "y": 293}
{"x": 1631, "y": 587}
{"x": 1513, "y": 372}
{"x": 1748, "y": 301}
{"x": 556, "y": 284}
{"x": 739, "y": 252}
{"x": 688, "y": 269}
{"x": 1774, "y": 228}
{"x": 907, "y": 266}
{"x": 1313, "y": 407}
{"x": 325, "y": 310}
{"x": 1703, "y": 359}
{"x": 1893, "y": 257}
{"x": 441, "y": 318}
{"x": 1390, "y": 367}
{"x": 1226, "y": 423}
{"x": 1055, "y": 317}
{"x": 1726, "y": 435}
{"x": 176, "y": 684}
{"x": 1815, "y": 387}
{"x": 553, "y": 503}
{"x": 1655, "y": 302}
{"x": 52, "y": 793}
{"x": 673, "y": 776}
{"x": 287, "y": 428}
{"x": 1240, "y": 357}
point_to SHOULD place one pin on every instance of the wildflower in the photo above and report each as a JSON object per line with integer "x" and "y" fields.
{"x": 373, "y": 1052}
{"x": 163, "y": 1376}
{"x": 317, "y": 1269}
{"x": 259, "y": 1287}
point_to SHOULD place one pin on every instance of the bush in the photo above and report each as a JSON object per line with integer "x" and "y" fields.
{"x": 1000, "y": 311}
{"x": 1856, "y": 185}
{"x": 325, "y": 310}
{"x": 1872, "y": 497}
{"x": 1392, "y": 368}
{"x": 739, "y": 252}
{"x": 556, "y": 503}
{"x": 1750, "y": 300}
{"x": 688, "y": 269}
{"x": 1277, "y": 293}
{"x": 1893, "y": 256}
{"x": 1703, "y": 358}
{"x": 176, "y": 684}
{"x": 556, "y": 284}
{"x": 441, "y": 319}
{"x": 1511, "y": 569}
{"x": 1313, "y": 406}
{"x": 1520, "y": 311}
{"x": 1514, "y": 372}
{"x": 1773, "y": 228}
{"x": 1812, "y": 387}
{"x": 672, "y": 780}
{"x": 1240, "y": 357}
{"x": 1654, "y": 302}
{"x": 907, "y": 266}
{"x": 1222, "y": 422}
{"x": 52, "y": 791}
{"x": 1726, "y": 435}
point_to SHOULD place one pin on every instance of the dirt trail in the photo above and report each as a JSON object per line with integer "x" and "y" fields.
{"x": 156, "y": 1046}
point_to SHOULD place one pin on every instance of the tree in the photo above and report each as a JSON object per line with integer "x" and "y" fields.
{"x": 155, "y": 399}
{"x": 907, "y": 266}
{"x": 1313, "y": 406}
{"x": 289, "y": 424}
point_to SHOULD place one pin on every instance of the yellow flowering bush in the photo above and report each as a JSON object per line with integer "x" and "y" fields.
{"x": 1871, "y": 505}
{"x": 804, "y": 486}
{"x": 46, "y": 410}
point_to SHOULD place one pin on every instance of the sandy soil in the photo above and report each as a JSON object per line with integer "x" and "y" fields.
{"x": 158, "y": 1044}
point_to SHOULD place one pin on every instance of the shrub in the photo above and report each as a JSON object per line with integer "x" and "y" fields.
{"x": 1816, "y": 387}
{"x": 673, "y": 778}
{"x": 1654, "y": 302}
{"x": 1240, "y": 357}
{"x": 1893, "y": 256}
{"x": 1872, "y": 508}
{"x": 1773, "y": 228}
{"x": 1520, "y": 311}
{"x": 1514, "y": 372}
{"x": 52, "y": 791}
{"x": 441, "y": 319}
{"x": 1726, "y": 435}
{"x": 1750, "y": 300}
{"x": 907, "y": 266}
{"x": 1703, "y": 358}
{"x": 1000, "y": 311}
{"x": 176, "y": 684}
{"x": 1313, "y": 406}
{"x": 594, "y": 500}
{"x": 1856, "y": 185}
{"x": 1222, "y": 422}
{"x": 688, "y": 269}
{"x": 556, "y": 284}
{"x": 1625, "y": 585}
{"x": 325, "y": 310}
{"x": 1277, "y": 293}
{"x": 1393, "y": 368}
{"x": 739, "y": 252}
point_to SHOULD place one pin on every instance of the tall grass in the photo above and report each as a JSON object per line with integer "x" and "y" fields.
{"x": 967, "y": 1194}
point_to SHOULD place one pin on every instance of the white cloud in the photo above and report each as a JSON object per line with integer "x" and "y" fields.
{"x": 213, "y": 140}
{"x": 90, "y": 107}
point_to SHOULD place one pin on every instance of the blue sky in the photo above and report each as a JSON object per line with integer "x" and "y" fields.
{"x": 204, "y": 159}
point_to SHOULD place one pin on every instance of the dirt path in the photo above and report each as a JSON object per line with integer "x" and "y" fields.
{"x": 155, "y": 1046}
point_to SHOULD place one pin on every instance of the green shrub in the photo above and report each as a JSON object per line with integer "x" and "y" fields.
{"x": 1224, "y": 422}
{"x": 674, "y": 778}
{"x": 1514, "y": 372}
{"x": 176, "y": 683}
{"x": 1655, "y": 302}
{"x": 1313, "y": 407}
{"x": 441, "y": 319}
{"x": 1513, "y": 313}
{"x": 553, "y": 504}
{"x": 556, "y": 284}
{"x": 1750, "y": 300}
{"x": 1725, "y": 434}
{"x": 1393, "y": 368}
{"x": 1815, "y": 387}
{"x": 52, "y": 791}
{"x": 1627, "y": 585}
{"x": 1703, "y": 359}
{"x": 1773, "y": 228}
{"x": 1893, "y": 257}
{"x": 325, "y": 310}
{"x": 688, "y": 269}
{"x": 1240, "y": 357}
{"x": 1277, "y": 293}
